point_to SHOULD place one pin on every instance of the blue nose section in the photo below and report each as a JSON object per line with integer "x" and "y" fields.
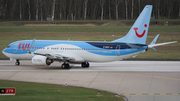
{"x": 5, "y": 52}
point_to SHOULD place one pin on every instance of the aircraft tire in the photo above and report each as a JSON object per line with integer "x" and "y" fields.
{"x": 65, "y": 66}
{"x": 85, "y": 65}
{"x": 17, "y": 63}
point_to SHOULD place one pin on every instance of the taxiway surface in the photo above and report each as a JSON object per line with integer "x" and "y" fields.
{"x": 137, "y": 80}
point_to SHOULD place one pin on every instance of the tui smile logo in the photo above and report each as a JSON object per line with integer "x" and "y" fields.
{"x": 140, "y": 35}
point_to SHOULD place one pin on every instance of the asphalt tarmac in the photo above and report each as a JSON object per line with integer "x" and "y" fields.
{"x": 137, "y": 80}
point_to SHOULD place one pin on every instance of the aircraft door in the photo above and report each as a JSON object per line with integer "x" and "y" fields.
{"x": 58, "y": 49}
{"x": 117, "y": 51}
{"x": 15, "y": 48}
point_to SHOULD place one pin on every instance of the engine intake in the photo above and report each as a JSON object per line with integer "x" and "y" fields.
{"x": 41, "y": 60}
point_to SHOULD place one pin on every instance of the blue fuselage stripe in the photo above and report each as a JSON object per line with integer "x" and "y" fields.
{"x": 99, "y": 48}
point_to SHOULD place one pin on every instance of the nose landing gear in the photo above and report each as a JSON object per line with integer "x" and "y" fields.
{"x": 17, "y": 63}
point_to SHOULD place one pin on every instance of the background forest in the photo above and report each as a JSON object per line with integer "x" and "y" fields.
{"x": 41, "y": 10}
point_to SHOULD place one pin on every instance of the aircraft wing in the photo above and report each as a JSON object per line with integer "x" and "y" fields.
{"x": 50, "y": 56}
{"x": 153, "y": 43}
{"x": 56, "y": 56}
{"x": 159, "y": 44}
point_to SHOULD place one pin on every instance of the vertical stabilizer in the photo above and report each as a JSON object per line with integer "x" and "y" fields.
{"x": 138, "y": 32}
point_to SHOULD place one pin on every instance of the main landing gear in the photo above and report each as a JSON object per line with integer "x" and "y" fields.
{"x": 17, "y": 63}
{"x": 65, "y": 66}
{"x": 85, "y": 65}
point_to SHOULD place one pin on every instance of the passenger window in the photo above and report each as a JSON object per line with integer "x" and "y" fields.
{"x": 8, "y": 47}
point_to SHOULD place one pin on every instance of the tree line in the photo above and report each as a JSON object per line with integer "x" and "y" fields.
{"x": 42, "y": 10}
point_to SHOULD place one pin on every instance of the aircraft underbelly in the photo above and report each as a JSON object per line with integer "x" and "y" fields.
{"x": 20, "y": 56}
{"x": 100, "y": 58}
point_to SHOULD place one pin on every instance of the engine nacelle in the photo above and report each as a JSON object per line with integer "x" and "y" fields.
{"x": 41, "y": 60}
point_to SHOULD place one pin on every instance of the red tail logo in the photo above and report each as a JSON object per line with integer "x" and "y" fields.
{"x": 140, "y": 36}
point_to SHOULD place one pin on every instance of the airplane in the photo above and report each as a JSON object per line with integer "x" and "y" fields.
{"x": 45, "y": 52}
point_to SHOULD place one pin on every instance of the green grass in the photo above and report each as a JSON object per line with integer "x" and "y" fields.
{"x": 95, "y": 22}
{"x": 160, "y": 55}
{"x": 22, "y": 23}
{"x": 63, "y": 29}
{"x": 83, "y": 28}
{"x": 10, "y": 34}
{"x": 49, "y": 92}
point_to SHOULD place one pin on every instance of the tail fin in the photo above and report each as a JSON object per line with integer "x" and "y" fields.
{"x": 138, "y": 32}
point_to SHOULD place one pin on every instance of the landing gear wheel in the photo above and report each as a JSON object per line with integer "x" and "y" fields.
{"x": 65, "y": 66}
{"x": 17, "y": 63}
{"x": 85, "y": 65}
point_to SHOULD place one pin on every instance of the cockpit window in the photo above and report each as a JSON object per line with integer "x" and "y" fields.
{"x": 8, "y": 47}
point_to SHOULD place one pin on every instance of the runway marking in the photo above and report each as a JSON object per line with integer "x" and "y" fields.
{"x": 124, "y": 70}
{"x": 20, "y": 70}
{"x": 94, "y": 71}
{"x": 141, "y": 94}
{"x": 6, "y": 64}
{"x": 147, "y": 76}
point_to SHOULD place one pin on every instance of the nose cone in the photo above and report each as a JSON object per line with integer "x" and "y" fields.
{"x": 5, "y": 53}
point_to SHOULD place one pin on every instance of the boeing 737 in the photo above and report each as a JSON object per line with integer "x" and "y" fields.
{"x": 45, "y": 52}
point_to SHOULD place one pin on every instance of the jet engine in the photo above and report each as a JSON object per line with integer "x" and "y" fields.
{"x": 41, "y": 60}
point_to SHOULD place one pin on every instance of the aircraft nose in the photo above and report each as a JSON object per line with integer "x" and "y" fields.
{"x": 4, "y": 52}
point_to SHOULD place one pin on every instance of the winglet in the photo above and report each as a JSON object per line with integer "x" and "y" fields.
{"x": 31, "y": 50}
{"x": 155, "y": 39}
{"x": 154, "y": 42}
